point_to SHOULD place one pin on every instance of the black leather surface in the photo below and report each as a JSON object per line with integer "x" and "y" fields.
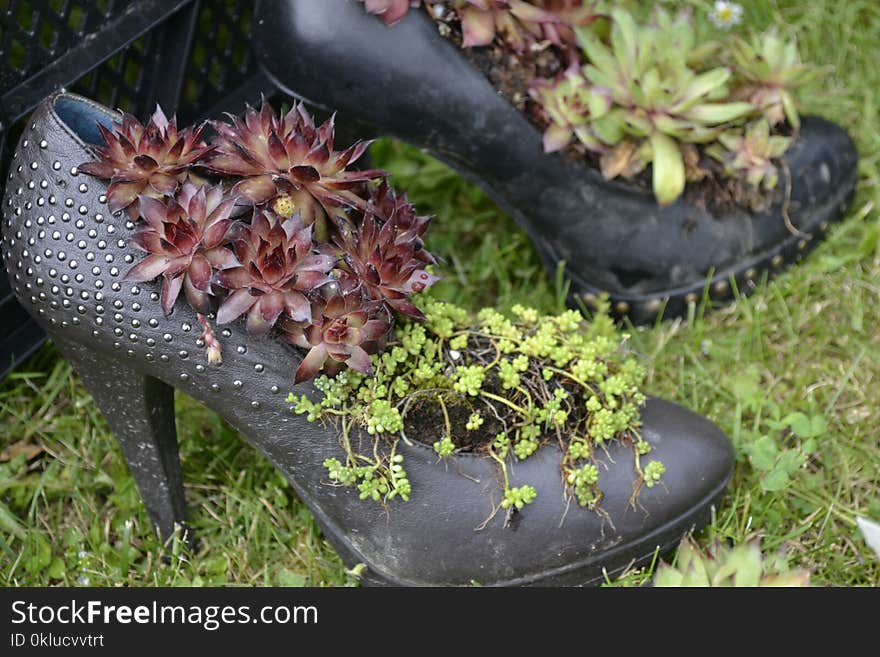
{"x": 66, "y": 256}
{"x": 410, "y": 82}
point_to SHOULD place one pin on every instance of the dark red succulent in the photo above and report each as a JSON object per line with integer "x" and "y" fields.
{"x": 343, "y": 330}
{"x": 277, "y": 266}
{"x": 289, "y": 162}
{"x": 184, "y": 238}
{"x": 390, "y": 11}
{"x": 386, "y": 252}
{"x": 145, "y": 160}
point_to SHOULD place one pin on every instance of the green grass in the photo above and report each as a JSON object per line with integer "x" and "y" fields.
{"x": 791, "y": 373}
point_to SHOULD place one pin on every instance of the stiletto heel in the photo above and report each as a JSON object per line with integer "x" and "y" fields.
{"x": 140, "y": 412}
{"x": 70, "y": 258}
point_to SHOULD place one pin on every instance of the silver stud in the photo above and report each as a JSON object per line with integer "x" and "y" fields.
{"x": 75, "y": 172}
{"x": 90, "y": 256}
{"x": 255, "y": 404}
{"x": 79, "y": 278}
{"x": 721, "y": 287}
{"x": 258, "y": 367}
{"x": 136, "y": 306}
{"x": 183, "y": 353}
{"x": 274, "y": 390}
{"x": 153, "y": 322}
{"x": 226, "y": 333}
{"x": 68, "y": 202}
{"x": 135, "y": 290}
{"x": 99, "y": 218}
{"x": 102, "y": 198}
{"x": 150, "y": 357}
{"x": 62, "y": 256}
{"x": 96, "y": 271}
{"x": 81, "y": 244}
{"x": 151, "y": 342}
{"x": 99, "y": 309}
{"x": 43, "y": 143}
{"x": 108, "y": 257}
{"x": 200, "y": 343}
{"x": 73, "y": 263}
{"x": 114, "y": 271}
{"x": 120, "y": 244}
{"x": 56, "y": 165}
{"x": 99, "y": 296}
{"x": 237, "y": 384}
{"x": 622, "y": 307}
{"x": 200, "y": 368}
{"x": 167, "y": 337}
{"x": 96, "y": 333}
{"x": 65, "y": 278}
{"x": 53, "y": 273}
{"x": 128, "y": 257}
{"x": 133, "y": 337}
{"x": 186, "y": 326}
{"x": 184, "y": 377}
{"x": 118, "y": 332}
{"x": 215, "y": 387}
{"x": 164, "y": 358}
{"x": 136, "y": 323}
{"x": 102, "y": 244}
{"x": 117, "y": 317}
{"x": 118, "y": 304}
{"x": 241, "y": 349}
{"x": 111, "y": 230}
{"x": 82, "y": 187}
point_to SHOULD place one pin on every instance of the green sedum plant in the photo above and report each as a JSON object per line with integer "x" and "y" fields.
{"x": 743, "y": 565}
{"x": 502, "y": 386}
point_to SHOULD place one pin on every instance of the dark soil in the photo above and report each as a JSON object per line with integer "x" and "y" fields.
{"x": 510, "y": 74}
{"x": 425, "y": 422}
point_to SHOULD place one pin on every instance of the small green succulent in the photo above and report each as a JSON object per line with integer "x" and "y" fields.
{"x": 770, "y": 70}
{"x": 721, "y": 565}
{"x": 571, "y": 105}
{"x": 750, "y": 153}
{"x": 659, "y": 97}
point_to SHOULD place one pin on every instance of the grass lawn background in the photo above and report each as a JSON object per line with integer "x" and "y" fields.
{"x": 792, "y": 374}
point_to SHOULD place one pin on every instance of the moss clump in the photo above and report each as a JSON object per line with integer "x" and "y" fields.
{"x": 497, "y": 385}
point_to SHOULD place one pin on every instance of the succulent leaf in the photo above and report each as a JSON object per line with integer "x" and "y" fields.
{"x": 150, "y": 159}
{"x": 722, "y": 566}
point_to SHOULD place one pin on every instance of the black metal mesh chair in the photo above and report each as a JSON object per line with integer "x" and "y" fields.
{"x": 190, "y": 55}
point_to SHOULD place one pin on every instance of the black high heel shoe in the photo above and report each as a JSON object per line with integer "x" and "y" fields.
{"x": 66, "y": 256}
{"x": 408, "y": 81}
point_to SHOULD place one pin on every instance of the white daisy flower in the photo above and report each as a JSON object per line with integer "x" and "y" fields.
{"x": 726, "y": 14}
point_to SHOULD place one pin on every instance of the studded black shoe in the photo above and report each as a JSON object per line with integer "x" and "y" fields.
{"x": 409, "y": 82}
{"x": 66, "y": 256}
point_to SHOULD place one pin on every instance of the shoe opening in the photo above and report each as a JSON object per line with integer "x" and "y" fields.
{"x": 83, "y": 118}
